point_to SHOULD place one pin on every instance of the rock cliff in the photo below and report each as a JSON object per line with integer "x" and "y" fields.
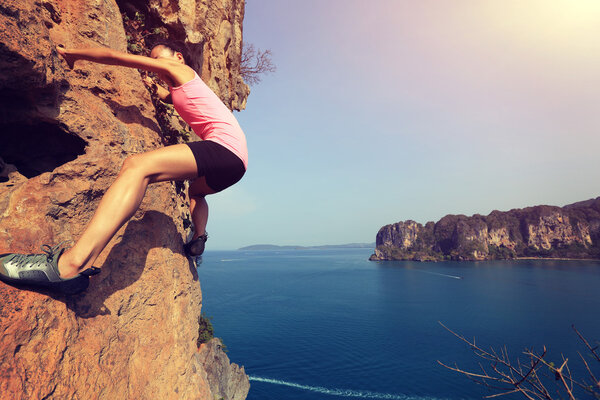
{"x": 63, "y": 136}
{"x": 572, "y": 231}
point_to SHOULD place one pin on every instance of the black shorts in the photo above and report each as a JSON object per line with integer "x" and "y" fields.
{"x": 219, "y": 165}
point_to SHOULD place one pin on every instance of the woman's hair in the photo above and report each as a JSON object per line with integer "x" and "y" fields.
{"x": 176, "y": 47}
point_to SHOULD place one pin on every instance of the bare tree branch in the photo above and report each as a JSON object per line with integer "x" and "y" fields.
{"x": 592, "y": 350}
{"x": 255, "y": 63}
{"x": 587, "y": 366}
{"x": 507, "y": 376}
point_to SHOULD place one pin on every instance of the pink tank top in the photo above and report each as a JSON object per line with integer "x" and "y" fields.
{"x": 208, "y": 117}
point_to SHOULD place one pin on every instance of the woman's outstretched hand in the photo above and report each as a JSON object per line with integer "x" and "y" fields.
{"x": 149, "y": 82}
{"x": 157, "y": 90}
{"x": 70, "y": 59}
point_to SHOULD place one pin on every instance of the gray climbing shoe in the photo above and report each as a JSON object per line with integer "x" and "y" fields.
{"x": 41, "y": 270}
{"x": 195, "y": 247}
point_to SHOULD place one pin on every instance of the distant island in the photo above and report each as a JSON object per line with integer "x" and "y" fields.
{"x": 569, "y": 232}
{"x": 324, "y": 247}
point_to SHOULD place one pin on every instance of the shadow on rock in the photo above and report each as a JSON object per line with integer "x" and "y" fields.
{"x": 125, "y": 263}
{"x": 131, "y": 115}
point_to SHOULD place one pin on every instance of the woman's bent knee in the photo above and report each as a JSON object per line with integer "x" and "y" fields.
{"x": 134, "y": 164}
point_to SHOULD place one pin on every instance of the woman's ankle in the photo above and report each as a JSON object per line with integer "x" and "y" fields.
{"x": 67, "y": 267}
{"x": 204, "y": 236}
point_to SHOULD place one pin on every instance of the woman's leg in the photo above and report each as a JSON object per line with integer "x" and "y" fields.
{"x": 123, "y": 198}
{"x": 198, "y": 205}
{"x": 199, "y": 211}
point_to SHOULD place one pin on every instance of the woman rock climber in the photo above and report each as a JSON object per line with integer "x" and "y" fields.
{"x": 213, "y": 164}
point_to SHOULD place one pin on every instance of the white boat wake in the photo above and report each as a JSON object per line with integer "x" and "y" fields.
{"x": 438, "y": 274}
{"x": 364, "y": 394}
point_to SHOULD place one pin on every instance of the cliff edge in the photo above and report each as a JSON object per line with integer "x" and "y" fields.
{"x": 572, "y": 231}
{"x": 63, "y": 137}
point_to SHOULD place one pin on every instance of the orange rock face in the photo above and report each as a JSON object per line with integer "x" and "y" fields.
{"x": 63, "y": 137}
{"x": 213, "y": 30}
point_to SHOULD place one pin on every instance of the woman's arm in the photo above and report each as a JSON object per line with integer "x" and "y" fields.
{"x": 178, "y": 73}
{"x": 163, "y": 94}
{"x": 160, "y": 91}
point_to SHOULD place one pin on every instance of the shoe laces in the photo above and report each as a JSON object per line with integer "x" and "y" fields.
{"x": 23, "y": 260}
{"x": 51, "y": 250}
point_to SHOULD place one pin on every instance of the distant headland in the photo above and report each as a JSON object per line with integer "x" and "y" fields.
{"x": 324, "y": 247}
{"x": 569, "y": 232}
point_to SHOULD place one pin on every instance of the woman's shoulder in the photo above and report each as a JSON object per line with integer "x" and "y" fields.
{"x": 181, "y": 74}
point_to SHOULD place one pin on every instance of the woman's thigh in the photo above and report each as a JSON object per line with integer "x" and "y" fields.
{"x": 199, "y": 187}
{"x": 169, "y": 163}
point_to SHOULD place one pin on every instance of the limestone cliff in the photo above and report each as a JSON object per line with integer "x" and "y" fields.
{"x": 572, "y": 231}
{"x": 63, "y": 137}
{"x": 212, "y": 30}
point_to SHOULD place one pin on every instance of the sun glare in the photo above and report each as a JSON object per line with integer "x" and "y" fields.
{"x": 548, "y": 23}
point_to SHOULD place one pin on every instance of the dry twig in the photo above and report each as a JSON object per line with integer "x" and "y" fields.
{"x": 255, "y": 63}
{"x": 507, "y": 377}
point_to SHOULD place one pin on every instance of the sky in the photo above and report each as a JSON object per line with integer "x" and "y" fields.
{"x": 387, "y": 110}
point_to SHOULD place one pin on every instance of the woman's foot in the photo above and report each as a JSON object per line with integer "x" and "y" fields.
{"x": 42, "y": 270}
{"x": 195, "y": 247}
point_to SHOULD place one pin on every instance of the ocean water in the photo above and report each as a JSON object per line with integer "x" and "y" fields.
{"x": 329, "y": 324}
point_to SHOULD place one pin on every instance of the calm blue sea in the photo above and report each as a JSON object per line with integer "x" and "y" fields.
{"x": 329, "y": 324}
